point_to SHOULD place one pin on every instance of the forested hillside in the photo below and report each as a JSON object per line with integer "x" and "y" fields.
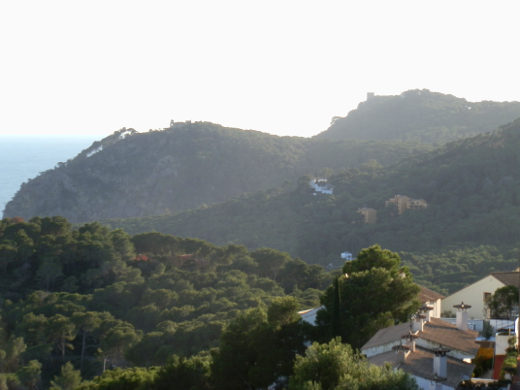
{"x": 193, "y": 165}
{"x": 95, "y": 309}
{"x": 420, "y": 116}
{"x": 470, "y": 227}
{"x": 187, "y": 166}
{"x": 102, "y": 299}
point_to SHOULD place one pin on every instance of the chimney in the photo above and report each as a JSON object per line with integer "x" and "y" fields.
{"x": 462, "y": 316}
{"x": 403, "y": 351}
{"x": 418, "y": 323}
{"x": 440, "y": 363}
{"x": 410, "y": 339}
{"x": 427, "y": 311}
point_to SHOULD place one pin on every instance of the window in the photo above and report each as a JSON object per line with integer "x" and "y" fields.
{"x": 487, "y": 296}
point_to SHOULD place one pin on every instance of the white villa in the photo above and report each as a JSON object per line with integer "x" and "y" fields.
{"x": 320, "y": 185}
{"x": 476, "y": 294}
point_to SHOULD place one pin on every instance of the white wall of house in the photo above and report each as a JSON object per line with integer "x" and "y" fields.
{"x": 437, "y": 308}
{"x": 454, "y": 353}
{"x": 373, "y": 351}
{"x": 309, "y": 316}
{"x": 517, "y": 330}
{"x": 502, "y": 343}
{"x": 320, "y": 185}
{"x": 478, "y": 325}
{"x": 473, "y": 295}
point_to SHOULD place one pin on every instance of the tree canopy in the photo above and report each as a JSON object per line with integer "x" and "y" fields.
{"x": 372, "y": 292}
{"x": 119, "y": 301}
{"x": 503, "y": 302}
{"x": 334, "y": 366}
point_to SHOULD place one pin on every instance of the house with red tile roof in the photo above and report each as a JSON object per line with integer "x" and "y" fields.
{"x": 436, "y": 353}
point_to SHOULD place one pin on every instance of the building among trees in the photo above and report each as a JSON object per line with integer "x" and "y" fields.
{"x": 320, "y": 185}
{"x": 369, "y": 214}
{"x": 403, "y": 203}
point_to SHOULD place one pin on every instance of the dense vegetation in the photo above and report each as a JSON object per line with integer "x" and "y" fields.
{"x": 101, "y": 299}
{"x": 503, "y": 302}
{"x": 420, "y": 116}
{"x": 372, "y": 292}
{"x": 95, "y": 309}
{"x": 192, "y": 165}
{"x": 334, "y": 365}
{"x": 189, "y": 165}
{"x": 469, "y": 228}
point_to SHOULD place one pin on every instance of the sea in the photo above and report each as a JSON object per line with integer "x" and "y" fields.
{"x": 24, "y": 157}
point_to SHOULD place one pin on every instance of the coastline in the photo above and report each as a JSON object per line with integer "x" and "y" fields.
{"x": 24, "y": 157}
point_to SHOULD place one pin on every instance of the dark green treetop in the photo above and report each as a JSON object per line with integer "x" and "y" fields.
{"x": 374, "y": 291}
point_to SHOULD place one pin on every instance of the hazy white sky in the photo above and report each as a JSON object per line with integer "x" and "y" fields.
{"x": 284, "y": 67}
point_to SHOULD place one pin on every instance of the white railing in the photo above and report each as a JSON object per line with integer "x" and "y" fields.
{"x": 478, "y": 325}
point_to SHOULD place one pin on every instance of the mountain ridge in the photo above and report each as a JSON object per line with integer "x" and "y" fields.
{"x": 192, "y": 165}
{"x": 420, "y": 116}
{"x": 184, "y": 167}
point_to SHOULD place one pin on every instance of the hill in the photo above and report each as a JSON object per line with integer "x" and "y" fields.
{"x": 186, "y": 166}
{"x": 160, "y": 172}
{"x": 471, "y": 189}
{"x": 420, "y": 116}
{"x": 194, "y": 165}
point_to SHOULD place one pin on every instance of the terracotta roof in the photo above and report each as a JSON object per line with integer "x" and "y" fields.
{"x": 446, "y": 334}
{"x": 427, "y": 295}
{"x": 420, "y": 363}
{"x": 436, "y": 331}
{"x": 508, "y": 278}
{"x": 387, "y": 335}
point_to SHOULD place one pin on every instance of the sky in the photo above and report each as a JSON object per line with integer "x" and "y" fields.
{"x": 89, "y": 68}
